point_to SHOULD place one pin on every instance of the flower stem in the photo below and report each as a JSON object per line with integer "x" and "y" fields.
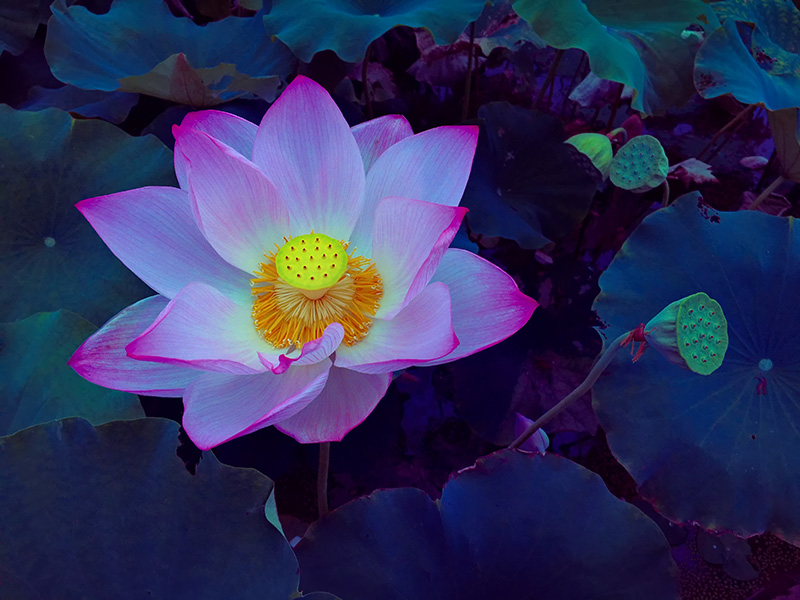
{"x": 742, "y": 114}
{"x": 578, "y": 392}
{"x": 551, "y": 75}
{"x": 322, "y": 478}
{"x": 615, "y": 107}
{"x": 365, "y": 83}
{"x": 468, "y": 82}
{"x": 665, "y": 194}
{"x": 767, "y": 191}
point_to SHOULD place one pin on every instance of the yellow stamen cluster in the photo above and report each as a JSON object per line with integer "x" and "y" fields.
{"x": 286, "y": 314}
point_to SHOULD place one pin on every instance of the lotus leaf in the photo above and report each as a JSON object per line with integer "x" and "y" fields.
{"x": 526, "y": 184}
{"x": 512, "y": 522}
{"x": 39, "y": 386}
{"x": 112, "y": 512}
{"x": 755, "y": 55}
{"x": 139, "y": 46}
{"x": 717, "y": 449}
{"x": 51, "y": 257}
{"x": 348, "y": 26}
{"x": 629, "y": 41}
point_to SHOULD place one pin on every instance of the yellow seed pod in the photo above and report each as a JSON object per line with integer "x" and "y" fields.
{"x": 311, "y": 262}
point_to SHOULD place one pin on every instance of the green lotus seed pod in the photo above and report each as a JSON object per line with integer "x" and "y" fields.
{"x": 640, "y": 165}
{"x": 597, "y": 147}
{"x": 691, "y": 333}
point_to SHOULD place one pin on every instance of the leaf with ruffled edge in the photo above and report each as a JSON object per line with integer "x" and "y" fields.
{"x": 526, "y": 184}
{"x": 109, "y": 106}
{"x": 112, "y": 512}
{"x": 139, "y": 46}
{"x": 18, "y": 24}
{"x": 720, "y": 450}
{"x": 754, "y": 65}
{"x": 51, "y": 257}
{"x": 347, "y": 27}
{"x": 513, "y": 523}
{"x": 629, "y": 41}
{"x": 39, "y": 386}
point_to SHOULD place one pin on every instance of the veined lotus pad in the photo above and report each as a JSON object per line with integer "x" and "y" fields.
{"x": 715, "y": 449}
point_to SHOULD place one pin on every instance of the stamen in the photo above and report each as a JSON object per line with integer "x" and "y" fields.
{"x": 287, "y": 312}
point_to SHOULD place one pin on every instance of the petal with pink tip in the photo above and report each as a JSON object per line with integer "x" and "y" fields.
{"x": 222, "y": 407}
{"x": 307, "y": 150}
{"x": 410, "y": 237}
{"x": 375, "y": 136}
{"x": 348, "y": 398}
{"x": 433, "y": 166}
{"x": 233, "y": 131}
{"x": 238, "y": 209}
{"x": 312, "y": 352}
{"x": 102, "y": 358}
{"x": 487, "y": 304}
{"x": 421, "y": 332}
{"x": 152, "y": 231}
{"x": 202, "y": 328}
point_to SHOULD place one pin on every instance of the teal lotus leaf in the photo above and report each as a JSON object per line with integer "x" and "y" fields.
{"x": 513, "y": 523}
{"x": 18, "y": 23}
{"x": 51, "y": 256}
{"x": 526, "y": 184}
{"x": 109, "y": 106}
{"x": 112, "y": 512}
{"x": 755, "y": 55}
{"x": 720, "y": 449}
{"x": 786, "y": 134}
{"x": 39, "y": 386}
{"x": 629, "y": 41}
{"x": 139, "y": 46}
{"x": 348, "y": 26}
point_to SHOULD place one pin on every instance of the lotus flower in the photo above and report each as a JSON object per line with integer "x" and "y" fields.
{"x": 298, "y": 265}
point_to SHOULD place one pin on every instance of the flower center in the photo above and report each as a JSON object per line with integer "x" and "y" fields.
{"x": 311, "y": 263}
{"x": 310, "y": 283}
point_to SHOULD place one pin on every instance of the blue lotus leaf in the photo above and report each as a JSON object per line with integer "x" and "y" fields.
{"x": 51, "y": 257}
{"x": 39, "y": 386}
{"x": 18, "y": 23}
{"x": 348, "y": 26}
{"x": 629, "y": 41}
{"x": 755, "y": 55}
{"x": 785, "y": 127}
{"x": 112, "y": 512}
{"x": 526, "y": 184}
{"x": 139, "y": 46}
{"x": 514, "y": 522}
{"x": 719, "y": 450}
{"x": 109, "y": 106}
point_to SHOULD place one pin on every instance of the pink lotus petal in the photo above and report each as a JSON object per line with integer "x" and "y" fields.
{"x": 102, "y": 359}
{"x": 487, "y": 305}
{"x": 238, "y": 209}
{"x": 312, "y": 352}
{"x": 152, "y": 231}
{"x": 348, "y": 398}
{"x": 202, "y": 328}
{"x": 421, "y": 332}
{"x": 222, "y": 407}
{"x": 306, "y": 149}
{"x": 433, "y": 166}
{"x": 375, "y": 136}
{"x": 233, "y": 131}
{"x": 410, "y": 237}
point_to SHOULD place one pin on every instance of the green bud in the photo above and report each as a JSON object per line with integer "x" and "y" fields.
{"x": 691, "y": 333}
{"x": 597, "y": 147}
